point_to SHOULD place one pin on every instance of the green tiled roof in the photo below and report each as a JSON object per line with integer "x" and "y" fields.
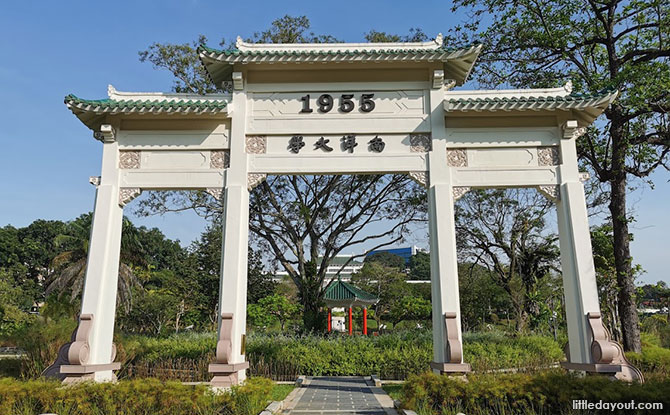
{"x": 457, "y": 62}
{"x": 92, "y": 112}
{"x": 155, "y": 106}
{"x": 433, "y": 53}
{"x": 340, "y": 293}
{"x": 572, "y": 101}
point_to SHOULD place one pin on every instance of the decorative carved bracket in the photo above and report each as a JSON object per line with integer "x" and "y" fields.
{"x": 225, "y": 372}
{"x": 420, "y": 177}
{"x": 254, "y": 179}
{"x": 95, "y": 180}
{"x": 127, "y": 194}
{"x": 238, "y": 81}
{"x": 607, "y": 352}
{"x": 459, "y": 191}
{"x": 71, "y": 363}
{"x": 80, "y": 350}
{"x": 224, "y": 348}
{"x": 438, "y": 78}
{"x": 453, "y": 352}
{"x": 572, "y": 130}
{"x": 107, "y": 134}
{"x": 551, "y": 192}
{"x": 217, "y": 192}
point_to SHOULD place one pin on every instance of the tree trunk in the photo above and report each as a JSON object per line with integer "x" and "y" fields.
{"x": 622, "y": 260}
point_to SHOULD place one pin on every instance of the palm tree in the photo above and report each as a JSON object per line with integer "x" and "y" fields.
{"x": 69, "y": 266}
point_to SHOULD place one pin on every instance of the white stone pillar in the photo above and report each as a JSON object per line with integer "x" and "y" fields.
{"x": 230, "y": 366}
{"x": 442, "y": 235}
{"x": 102, "y": 269}
{"x": 579, "y": 277}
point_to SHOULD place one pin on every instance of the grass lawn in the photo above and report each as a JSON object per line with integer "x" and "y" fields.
{"x": 280, "y": 392}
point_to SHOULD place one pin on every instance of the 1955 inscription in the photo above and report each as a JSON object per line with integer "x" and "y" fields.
{"x": 326, "y": 102}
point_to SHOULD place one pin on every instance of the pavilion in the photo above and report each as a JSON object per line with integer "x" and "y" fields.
{"x": 343, "y": 294}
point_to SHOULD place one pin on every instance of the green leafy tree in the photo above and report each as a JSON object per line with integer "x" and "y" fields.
{"x": 410, "y": 309}
{"x": 387, "y": 283}
{"x": 482, "y": 299}
{"x": 69, "y": 266}
{"x": 387, "y": 259}
{"x": 419, "y": 266}
{"x": 506, "y": 231}
{"x": 12, "y": 305}
{"x": 280, "y": 308}
{"x": 608, "y": 44}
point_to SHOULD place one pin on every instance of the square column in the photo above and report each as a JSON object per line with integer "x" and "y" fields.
{"x": 447, "y": 336}
{"x": 230, "y": 365}
{"x": 579, "y": 275}
{"x": 90, "y": 355}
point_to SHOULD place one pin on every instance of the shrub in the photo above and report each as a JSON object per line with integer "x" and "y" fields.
{"x": 391, "y": 356}
{"x": 547, "y": 393}
{"x": 148, "y": 396}
{"x": 654, "y": 361}
{"x": 40, "y": 341}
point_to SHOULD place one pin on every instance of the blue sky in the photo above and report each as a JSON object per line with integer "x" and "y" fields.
{"x": 50, "y": 49}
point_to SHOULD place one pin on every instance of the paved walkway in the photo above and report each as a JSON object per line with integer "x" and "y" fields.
{"x": 340, "y": 396}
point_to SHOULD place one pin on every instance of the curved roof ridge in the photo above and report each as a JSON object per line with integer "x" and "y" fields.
{"x": 117, "y": 95}
{"x": 562, "y": 91}
{"x": 433, "y": 44}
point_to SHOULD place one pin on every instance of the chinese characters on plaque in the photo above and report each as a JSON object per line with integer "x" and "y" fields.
{"x": 348, "y": 143}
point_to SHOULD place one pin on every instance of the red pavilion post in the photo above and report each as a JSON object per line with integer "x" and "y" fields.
{"x": 330, "y": 320}
{"x": 365, "y": 321}
{"x": 351, "y": 322}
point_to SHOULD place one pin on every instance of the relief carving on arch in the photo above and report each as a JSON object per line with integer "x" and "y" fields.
{"x": 219, "y": 159}
{"x": 457, "y": 157}
{"x": 129, "y": 159}
{"x": 420, "y": 143}
{"x": 127, "y": 194}
{"x": 256, "y": 144}
{"x": 548, "y": 156}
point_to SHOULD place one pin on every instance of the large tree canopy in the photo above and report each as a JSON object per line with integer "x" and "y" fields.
{"x": 598, "y": 44}
{"x": 304, "y": 221}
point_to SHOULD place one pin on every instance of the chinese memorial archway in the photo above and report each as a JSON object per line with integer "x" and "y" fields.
{"x": 368, "y": 108}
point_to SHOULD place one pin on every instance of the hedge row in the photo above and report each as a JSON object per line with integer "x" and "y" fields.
{"x": 550, "y": 392}
{"x": 391, "y": 356}
{"x": 135, "y": 397}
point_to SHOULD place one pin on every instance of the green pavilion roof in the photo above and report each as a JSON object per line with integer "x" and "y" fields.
{"x": 342, "y": 294}
{"x": 92, "y": 111}
{"x": 457, "y": 62}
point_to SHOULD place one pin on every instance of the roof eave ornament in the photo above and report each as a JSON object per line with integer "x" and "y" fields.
{"x": 107, "y": 134}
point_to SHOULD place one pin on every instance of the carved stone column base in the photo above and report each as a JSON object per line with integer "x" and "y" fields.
{"x": 444, "y": 368}
{"x": 82, "y": 373}
{"x": 225, "y": 374}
